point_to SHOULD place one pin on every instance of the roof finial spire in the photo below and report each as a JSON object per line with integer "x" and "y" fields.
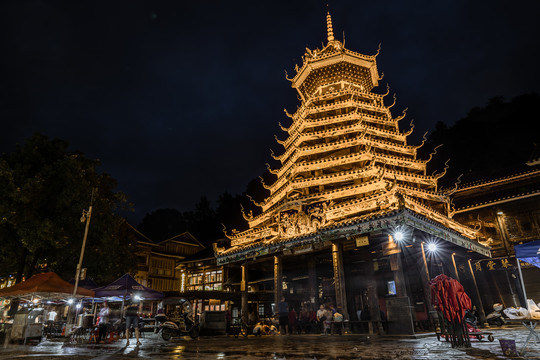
{"x": 329, "y": 28}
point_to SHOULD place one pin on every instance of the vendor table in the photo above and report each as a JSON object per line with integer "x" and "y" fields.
{"x": 530, "y": 324}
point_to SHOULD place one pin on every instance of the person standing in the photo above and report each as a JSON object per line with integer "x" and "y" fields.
{"x": 103, "y": 323}
{"x": 321, "y": 317}
{"x": 303, "y": 320}
{"x": 132, "y": 318}
{"x": 51, "y": 316}
{"x": 160, "y": 317}
{"x": 228, "y": 319}
{"x": 293, "y": 316}
{"x": 283, "y": 308}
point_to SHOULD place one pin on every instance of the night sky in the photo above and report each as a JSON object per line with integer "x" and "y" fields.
{"x": 182, "y": 99}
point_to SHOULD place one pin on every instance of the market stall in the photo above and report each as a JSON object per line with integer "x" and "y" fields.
{"x": 530, "y": 253}
{"x": 37, "y": 291}
{"x": 44, "y": 286}
{"x": 123, "y": 289}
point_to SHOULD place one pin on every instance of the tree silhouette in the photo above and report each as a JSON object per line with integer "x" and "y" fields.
{"x": 488, "y": 140}
{"x": 162, "y": 224}
{"x": 43, "y": 190}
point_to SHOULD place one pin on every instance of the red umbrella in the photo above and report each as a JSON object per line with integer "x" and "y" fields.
{"x": 449, "y": 297}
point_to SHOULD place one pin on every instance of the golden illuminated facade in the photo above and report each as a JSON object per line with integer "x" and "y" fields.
{"x": 347, "y": 183}
{"x": 344, "y": 158}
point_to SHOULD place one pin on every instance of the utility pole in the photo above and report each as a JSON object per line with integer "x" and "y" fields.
{"x": 86, "y": 215}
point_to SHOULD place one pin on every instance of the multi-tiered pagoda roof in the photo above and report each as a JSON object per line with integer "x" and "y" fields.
{"x": 344, "y": 159}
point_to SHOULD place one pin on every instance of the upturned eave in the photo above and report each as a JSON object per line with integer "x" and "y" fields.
{"x": 360, "y": 225}
{"x": 314, "y": 64}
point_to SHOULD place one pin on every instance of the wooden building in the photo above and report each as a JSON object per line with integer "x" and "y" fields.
{"x": 157, "y": 261}
{"x": 505, "y": 209}
{"x": 351, "y": 209}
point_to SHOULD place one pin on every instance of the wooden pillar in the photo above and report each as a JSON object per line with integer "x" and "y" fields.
{"x": 278, "y": 282}
{"x": 244, "y": 291}
{"x": 502, "y": 230}
{"x": 312, "y": 278}
{"x": 455, "y": 267}
{"x": 425, "y": 279}
{"x": 399, "y": 277}
{"x": 480, "y": 307}
{"x": 339, "y": 279}
{"x": 372, "y": 295}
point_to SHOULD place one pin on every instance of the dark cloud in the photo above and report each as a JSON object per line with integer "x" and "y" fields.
{"x": 181, "y": 99}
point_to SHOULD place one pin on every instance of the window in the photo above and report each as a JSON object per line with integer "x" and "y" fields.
{"x": 213, "y": 280}
{"x": 195, "y": 281}
{"x": 391, "y": 285}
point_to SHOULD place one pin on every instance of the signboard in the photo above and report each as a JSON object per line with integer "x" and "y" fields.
{"x": 362, "y": 241}
{"x": 502, "y": 263}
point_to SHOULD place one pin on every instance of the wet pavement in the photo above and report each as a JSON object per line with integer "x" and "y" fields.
{"x": 295, "y": 347}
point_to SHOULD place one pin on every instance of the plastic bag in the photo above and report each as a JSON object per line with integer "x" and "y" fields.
{"x": 533, "y": 309}
{"x": 516, "y": 313}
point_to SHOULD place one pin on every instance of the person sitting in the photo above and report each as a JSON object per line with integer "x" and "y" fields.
{"x": 252, "y": 318}
{"x": 259, "y": 329}
{"x": 338, "y": 323}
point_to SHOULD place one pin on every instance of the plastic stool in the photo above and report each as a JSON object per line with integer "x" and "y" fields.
{"x": 113, "y": 336}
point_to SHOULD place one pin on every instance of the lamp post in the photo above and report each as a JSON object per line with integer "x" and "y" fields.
{"x": 86, "y": 215}
{"x": 455, "y": 267}
{"x": 425, "y": 261}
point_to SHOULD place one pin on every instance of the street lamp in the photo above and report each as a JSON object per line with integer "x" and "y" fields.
{"x": 86, "y": 215}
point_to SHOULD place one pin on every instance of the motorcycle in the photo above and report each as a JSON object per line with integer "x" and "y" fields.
{"x": 471, "y": 318}
{"x": 495, "y": 317}
{"x": 171, "y": 329}
{"x": 186, "y": 325}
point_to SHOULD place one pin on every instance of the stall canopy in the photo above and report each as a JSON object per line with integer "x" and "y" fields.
{"x": 126, "y": 286}
{"x": 87, "y": 283}
{"x": 46, "y": 285}
{"x": 529, "y": 252}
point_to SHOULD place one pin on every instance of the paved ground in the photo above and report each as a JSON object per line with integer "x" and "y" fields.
{"x": 295, "y": 347}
